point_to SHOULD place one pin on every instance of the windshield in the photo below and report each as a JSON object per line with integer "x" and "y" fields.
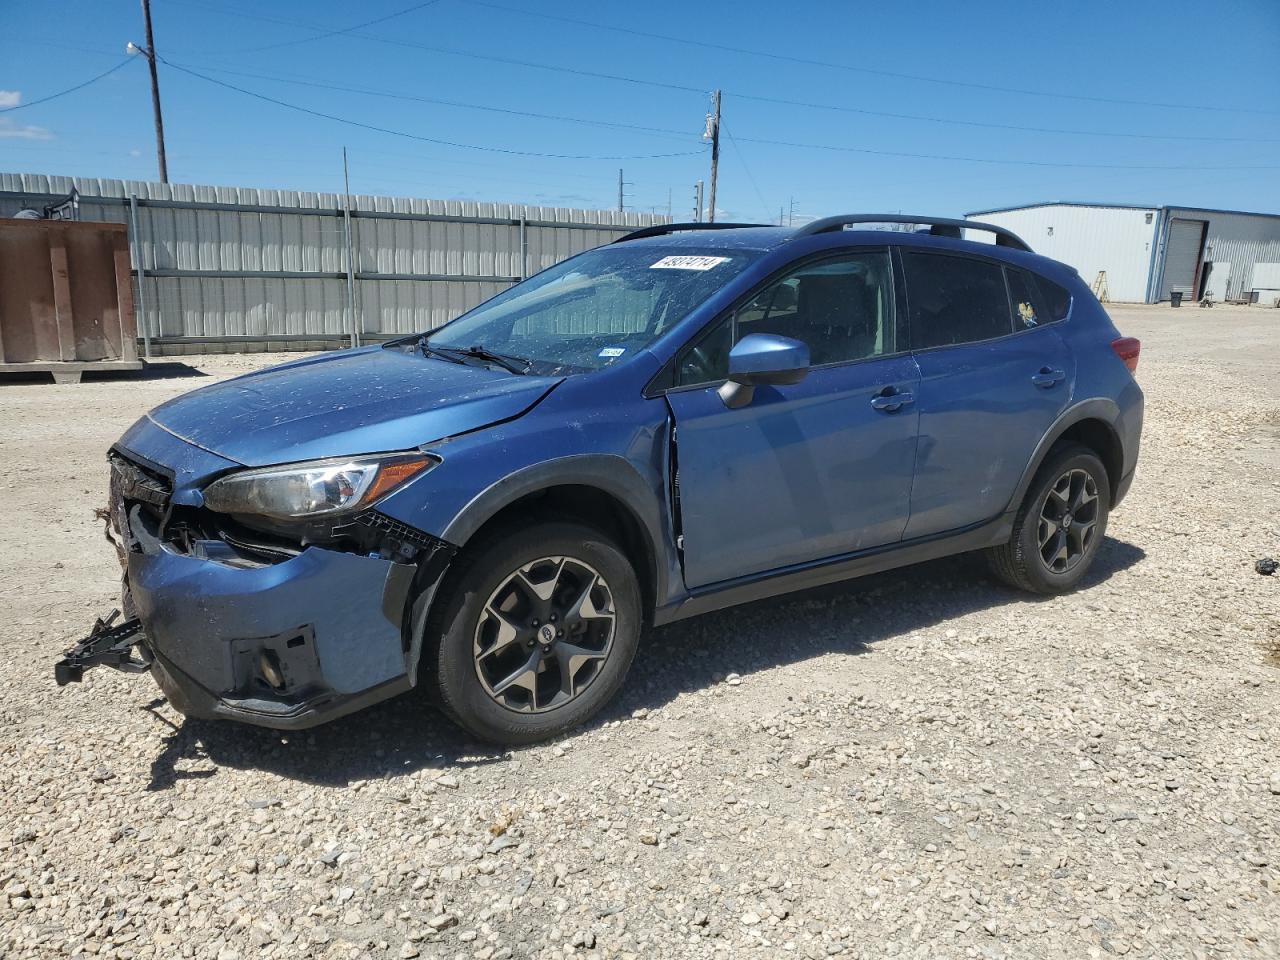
{"x": 592, "y": 310}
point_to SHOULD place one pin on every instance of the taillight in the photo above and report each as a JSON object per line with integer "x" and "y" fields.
{"x": 1127, "y": 349}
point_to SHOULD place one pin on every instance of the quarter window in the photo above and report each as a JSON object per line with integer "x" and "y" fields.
{"x": 841, "y": 308}
{"x": 955, "y": 300}
{"x": 1057, "y": 298}
{"x": 1025, "y": 300}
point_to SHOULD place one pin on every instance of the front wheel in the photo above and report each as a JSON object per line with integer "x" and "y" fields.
{"x": 1060, "y": 525}
{"x": 537, "y": 631}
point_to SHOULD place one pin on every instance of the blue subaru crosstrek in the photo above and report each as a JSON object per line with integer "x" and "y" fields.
{"x": 694, "y": 416}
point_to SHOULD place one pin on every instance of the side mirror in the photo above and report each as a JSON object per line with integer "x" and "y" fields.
{"x": 762, "y": 358}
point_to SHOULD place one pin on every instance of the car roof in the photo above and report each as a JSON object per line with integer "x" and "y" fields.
{"x": 705, "y": 238}
{"x": 730, "y": 238}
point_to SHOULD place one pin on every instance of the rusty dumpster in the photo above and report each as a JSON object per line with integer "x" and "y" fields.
{"x": 66, "y": 298}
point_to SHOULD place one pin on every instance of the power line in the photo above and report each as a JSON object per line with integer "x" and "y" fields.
{"x": 998, "y": 160}
{"x": 413, "y": 136}
{"x": 945, "y": 81}
{"x": 664, "y": 131}
{"x": 452, "y": 52}
{"x": 990, "y": 125}
{"x": 781, "y": 101}
{"x": 63, "y": 93}
{"x": 336, "y": 32}
{"x": 784, "y": 143}
{"x": 747, "y": 170}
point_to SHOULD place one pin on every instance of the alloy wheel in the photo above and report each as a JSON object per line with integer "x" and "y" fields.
{"x": 1068, "y": 520}
{"x": 544, "y": 634}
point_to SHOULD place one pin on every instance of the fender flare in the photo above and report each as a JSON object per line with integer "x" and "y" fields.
{"x": 609, "y": 473}
{"x": 1095, "y": 408}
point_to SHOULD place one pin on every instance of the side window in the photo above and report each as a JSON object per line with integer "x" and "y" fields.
{"x": 955, "y": 300}
{"x": 708, "y": 358}
{"x": 1025, "y": 300}
{"x": 841, "y": 308}
{"x": 1057, "y": 298}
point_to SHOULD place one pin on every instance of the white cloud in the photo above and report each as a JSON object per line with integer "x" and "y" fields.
{"x": 135, "y": 153}
{"x": 10, "y": 98}
{"x": 18, "y": 132}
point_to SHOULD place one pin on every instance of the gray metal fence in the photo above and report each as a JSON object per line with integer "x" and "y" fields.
{"x": 243, "y": 268}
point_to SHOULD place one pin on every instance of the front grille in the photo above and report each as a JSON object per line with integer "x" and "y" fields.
{"x": 132, "y": 483}
{"x": 137, "y": 482}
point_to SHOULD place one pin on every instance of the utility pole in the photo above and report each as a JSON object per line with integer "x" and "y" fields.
{"x": 149, "y": 51}
{"x": 713, "y": 131}
{"x": 791, "y": 215}
{"x": 619, "y": 189}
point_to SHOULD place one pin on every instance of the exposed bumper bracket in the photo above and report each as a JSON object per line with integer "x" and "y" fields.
{"x": 107, "y": 644}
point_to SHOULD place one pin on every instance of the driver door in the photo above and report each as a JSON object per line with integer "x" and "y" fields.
{"x": 810, "y": 470}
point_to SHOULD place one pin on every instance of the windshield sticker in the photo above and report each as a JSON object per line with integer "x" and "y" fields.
{"x": 688, "y": 263}
{"x": 613, "y": 351}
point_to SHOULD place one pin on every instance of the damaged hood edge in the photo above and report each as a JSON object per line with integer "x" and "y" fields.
{"x": 389, "y": 401}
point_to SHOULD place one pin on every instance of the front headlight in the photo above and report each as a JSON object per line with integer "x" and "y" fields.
{"x": 315, "y": 489}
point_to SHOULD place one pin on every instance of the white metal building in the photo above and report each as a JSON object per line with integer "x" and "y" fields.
{"x": 1148, "y": 252}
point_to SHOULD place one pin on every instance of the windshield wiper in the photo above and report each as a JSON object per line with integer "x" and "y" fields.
{"x": 509, "y": 363}
{"x": 427, "y": 350}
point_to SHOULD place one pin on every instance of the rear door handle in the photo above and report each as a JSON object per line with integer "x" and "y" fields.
{"x": 1048, "y": 377}
{"x": 891, "y": 400}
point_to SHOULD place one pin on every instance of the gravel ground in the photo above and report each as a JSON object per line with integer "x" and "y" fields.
{"x": 918, "y": 764}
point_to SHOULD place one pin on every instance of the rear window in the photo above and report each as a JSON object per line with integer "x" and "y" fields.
{"x": 955, "y": 300}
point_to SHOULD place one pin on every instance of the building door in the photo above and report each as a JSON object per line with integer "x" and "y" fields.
{"x": 1217, "y": 278}
{"x": 1182, "y": 257}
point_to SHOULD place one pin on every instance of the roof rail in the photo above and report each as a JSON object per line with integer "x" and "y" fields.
{"x": 938, "y": 227}
{"x": 661, "y": 229}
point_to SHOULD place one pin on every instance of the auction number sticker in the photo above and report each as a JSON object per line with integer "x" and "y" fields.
{"x": 688, "y": 263}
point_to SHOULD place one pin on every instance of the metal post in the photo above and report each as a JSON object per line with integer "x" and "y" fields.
{"x": 346, "y": 231}
{"x": 136, "y": 243}
{"x": 155, "y": 92}
{"x": 524, "y": 245}
{"x": 697, "y": 202}
{"x": 715, "y": 154}
{"x": 619, "y": 189}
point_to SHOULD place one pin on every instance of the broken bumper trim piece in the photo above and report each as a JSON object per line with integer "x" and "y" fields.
{"x": 108, "y": 644}
{"x": 192, "y": 700}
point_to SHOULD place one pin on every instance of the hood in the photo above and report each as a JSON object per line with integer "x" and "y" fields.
{"x": 348, "y": 403}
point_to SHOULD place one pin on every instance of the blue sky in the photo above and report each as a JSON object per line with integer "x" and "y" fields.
{"x": 1162, "y": 74}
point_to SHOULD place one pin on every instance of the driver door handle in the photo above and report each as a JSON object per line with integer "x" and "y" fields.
{"x": 891, "y": 400}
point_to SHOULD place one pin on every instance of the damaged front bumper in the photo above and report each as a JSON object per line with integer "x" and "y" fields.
{"x": 288, "y": 642}
{"x": 287, "y": 645}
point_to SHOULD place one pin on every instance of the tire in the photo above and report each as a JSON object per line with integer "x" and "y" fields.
{"x": 1024, "y": 562}
{"x": 479, "y": 648}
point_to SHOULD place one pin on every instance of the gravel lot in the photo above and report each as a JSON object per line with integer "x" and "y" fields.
{"x": 918, "y": 764}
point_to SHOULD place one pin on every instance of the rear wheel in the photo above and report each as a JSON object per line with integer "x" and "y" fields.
{"x": 1060, "y": 525}
{"x": 537, "y": 631}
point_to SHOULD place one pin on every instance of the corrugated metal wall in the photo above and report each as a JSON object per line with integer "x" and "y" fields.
{"x": 1241, "y": 239}
{"x": 270, "y": 265}
{"x": 1115, "y": 239}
